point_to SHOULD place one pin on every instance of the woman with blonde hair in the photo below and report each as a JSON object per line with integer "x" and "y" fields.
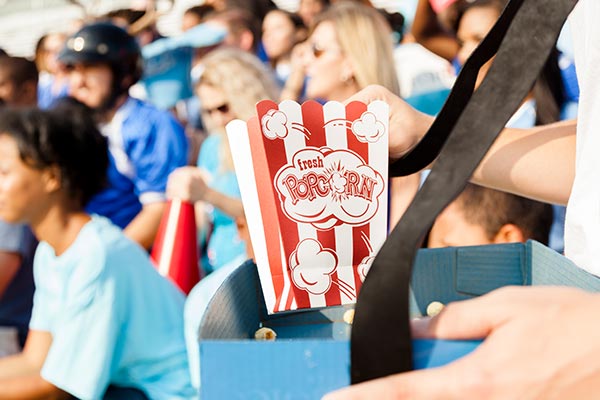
{"x": 231, "y": 84}
{"x": 350, "y": 47}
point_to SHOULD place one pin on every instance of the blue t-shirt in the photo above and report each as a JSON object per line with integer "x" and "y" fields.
{"x": 47, "y": 94}
{"x": 17, "y": 300}
{"x": 146, "y": 145}
{"x": 113, "y": 318}
{"x": 224, "y": 244}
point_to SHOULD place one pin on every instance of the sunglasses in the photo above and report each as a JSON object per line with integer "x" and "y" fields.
{"x": 223, "y": 109}
{"x": 318, "y": 51}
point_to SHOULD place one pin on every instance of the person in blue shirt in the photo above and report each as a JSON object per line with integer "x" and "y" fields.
{"x": 105, "y": 324}
{"x": 145, "y": 143}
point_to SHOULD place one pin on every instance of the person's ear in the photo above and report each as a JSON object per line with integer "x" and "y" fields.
{"x": 246, "y": 41}
{"x": 509, "y": 233}
{"x": 52, "y": 179}
{"x": 347, "y": 75}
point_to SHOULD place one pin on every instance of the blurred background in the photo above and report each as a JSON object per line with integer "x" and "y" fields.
{"x": 23, "y": 22}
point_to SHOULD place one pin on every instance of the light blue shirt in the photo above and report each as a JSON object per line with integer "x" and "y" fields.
{"x": 224, "y": 244}
{"x": 113, "y": 318}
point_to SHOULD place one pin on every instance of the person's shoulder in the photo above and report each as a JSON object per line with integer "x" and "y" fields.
{"x": 97, "y": 238}
{"x": 210, "y": 155}
{"x": 141, "y": 107}
{"x": 140, "y": 113}
{"x": 212, "y": 141}
{"x": 105, "y": 247}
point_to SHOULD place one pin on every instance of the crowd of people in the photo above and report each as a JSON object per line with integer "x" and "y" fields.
{"x": 110, "y": 120}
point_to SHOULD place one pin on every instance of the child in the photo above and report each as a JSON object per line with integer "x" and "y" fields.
{"x": 104, "y": 324}
{"x": 481, "y": 216}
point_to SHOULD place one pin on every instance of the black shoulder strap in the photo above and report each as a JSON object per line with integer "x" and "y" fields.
{"x": 459, "y": 138}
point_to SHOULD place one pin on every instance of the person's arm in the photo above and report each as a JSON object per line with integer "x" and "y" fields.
{"x": 20, "y": 374}
{"x": 9, "y": 266}
{"x": 403, "y": 190}
{"x": 143, "y": 227}
{"x": 189, "y": 184}
{"x": 229, "y": 205}
{"x": 541, "y": 342}
{"x": 538, "y": 163}
{"x": 162, "y": 149}
{"x": 428, "y": 32}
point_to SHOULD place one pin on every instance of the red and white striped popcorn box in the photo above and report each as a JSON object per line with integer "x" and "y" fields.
{"x": 313, "y": 180}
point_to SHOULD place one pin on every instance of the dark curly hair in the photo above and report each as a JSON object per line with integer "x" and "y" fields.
{"x": 65, "y": 137}
{"x": 492, "y": 209}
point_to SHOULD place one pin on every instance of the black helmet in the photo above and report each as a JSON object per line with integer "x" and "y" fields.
{"x": 106, "y": 43}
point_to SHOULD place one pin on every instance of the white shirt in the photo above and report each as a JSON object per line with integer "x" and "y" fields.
{"x": 582, "y": 230}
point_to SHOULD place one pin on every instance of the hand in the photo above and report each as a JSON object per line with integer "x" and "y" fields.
{"x": 541, "y": 343}
{"x": 407, "y": 125}
{"x": 188, "y": 184}
{"x": 292, "y": 89}
{"x": 299, "y": 54}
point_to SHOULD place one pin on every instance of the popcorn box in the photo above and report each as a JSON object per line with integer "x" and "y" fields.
{"x": 311, "y": 353}
{"x": 313, "y": 181}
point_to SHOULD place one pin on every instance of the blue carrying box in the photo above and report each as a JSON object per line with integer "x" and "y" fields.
{"x": 311, "y": 355}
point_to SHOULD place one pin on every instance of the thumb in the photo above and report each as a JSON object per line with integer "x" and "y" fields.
{"x": 469, "y": 319}
{"x": 423, "y": 384}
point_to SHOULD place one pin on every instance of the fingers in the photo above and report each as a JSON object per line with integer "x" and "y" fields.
{"x": 471, "y": 319}
{"x": 424, "y": 384}
{"x": 370, "y": 94}
{"x": 185, "y": 183}
{"x": 476, "y": 318}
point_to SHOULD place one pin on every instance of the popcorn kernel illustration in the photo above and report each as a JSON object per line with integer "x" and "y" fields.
{"x": 368, "y": 129}
{"x": 312, "y": 266}
{"x": 274, "y": 125}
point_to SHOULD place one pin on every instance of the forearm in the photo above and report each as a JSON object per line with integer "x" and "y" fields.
{"x": 15, "y": 366}
{"x": 403, "y": 190}
{"x": 29, "y": 388}
{"x": 229, "y": 205}
{"x": 144, "y": 226}
{"x": 538, "y": 163}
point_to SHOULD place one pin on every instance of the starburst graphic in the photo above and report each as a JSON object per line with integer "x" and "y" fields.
{"x": 337, "y": 182}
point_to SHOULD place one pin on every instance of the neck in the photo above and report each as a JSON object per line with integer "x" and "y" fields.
{"x": 108, "y": 115}
{"x": 59, "y": 227}
{"x": 284, "y": 59}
